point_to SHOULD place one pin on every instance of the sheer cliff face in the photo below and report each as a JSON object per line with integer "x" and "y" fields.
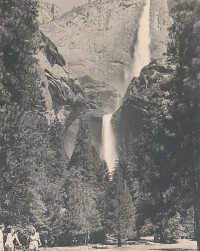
{"x": 97, "y": 39}
{"x": 160, "y": 21}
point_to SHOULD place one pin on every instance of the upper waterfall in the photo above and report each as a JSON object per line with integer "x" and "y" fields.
{"x": 142, "y": 55}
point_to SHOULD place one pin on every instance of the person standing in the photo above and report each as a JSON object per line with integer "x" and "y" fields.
{"x": 34, "y": 240}
{"x": 10, "y": 240}
{"x": 2, "y": 227}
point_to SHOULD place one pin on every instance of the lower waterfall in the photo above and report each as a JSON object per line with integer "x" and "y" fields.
{"x": 108, "y": 147}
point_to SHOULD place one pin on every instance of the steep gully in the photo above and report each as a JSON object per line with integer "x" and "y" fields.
{"x": 141, "y": 58}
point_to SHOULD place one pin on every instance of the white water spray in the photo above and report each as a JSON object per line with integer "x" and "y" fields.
{"x": 142, "y": 52}
{"x": 141, "y": 58}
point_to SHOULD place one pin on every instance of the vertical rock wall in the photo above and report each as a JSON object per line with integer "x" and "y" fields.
{"x": 97, "y": 39}
{"x": 160, "y": 21}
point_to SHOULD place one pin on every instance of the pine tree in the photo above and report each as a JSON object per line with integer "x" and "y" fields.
{"x": 86, "y": 159}
{"x": 186, "y": 108}
{"x": 27, "y": 155}
{"x": 82, "y": 214}
{"x": 121, "y": 212}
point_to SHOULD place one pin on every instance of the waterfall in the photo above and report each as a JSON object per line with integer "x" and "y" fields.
{"x": 141, "y": 58}
{"x": 142, "y": 52}
{"x": 108, "y": 138}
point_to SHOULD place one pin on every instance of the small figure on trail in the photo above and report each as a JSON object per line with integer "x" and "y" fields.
{"x": 34, "y": 240}
{"x": 10, "y": 240}
{"x": 2, "y": 227}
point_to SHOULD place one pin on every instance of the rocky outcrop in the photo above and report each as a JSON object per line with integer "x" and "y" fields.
{"x": 70, "y": 138}
{"x": 142, "y": 92}
{"x": 94, "y": 123}
{"x": 103, "y": 97}
{"x": 97, "y": 39}
{"x": 160, "y": 21}
{"x": 47, "y": 12}
{"x": 61, "y": 90}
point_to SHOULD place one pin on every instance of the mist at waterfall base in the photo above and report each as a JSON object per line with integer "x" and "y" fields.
{"x": 141, "y": 58}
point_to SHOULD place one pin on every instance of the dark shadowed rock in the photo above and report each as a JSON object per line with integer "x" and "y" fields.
{"x": 141, "y": 94}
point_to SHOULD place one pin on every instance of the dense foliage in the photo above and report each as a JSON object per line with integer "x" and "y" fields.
{"x": 163, "y": 134}
{"x": 30, "y": 192}
{"x": 37, "y": 188}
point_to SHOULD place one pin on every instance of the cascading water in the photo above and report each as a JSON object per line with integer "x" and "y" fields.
{"x": 108, "y": 138}
{"x": 142, "y": 52}
{"x": 141, "y": 58}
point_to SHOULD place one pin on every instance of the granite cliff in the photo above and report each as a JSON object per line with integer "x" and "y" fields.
{"x": 47, "y": 12}
{"x": 98, "y": 38}
{"x": 160, "y": 21}
{"x": 60, "y": 90}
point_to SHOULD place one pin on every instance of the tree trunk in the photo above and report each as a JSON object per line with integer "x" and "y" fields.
{"x": 119, "y": 238}
{"x": 197, "y": 218}
{"x": 196, "y": 193}
{"x": 197, "y": 222}
{"x": 88, "y": 237}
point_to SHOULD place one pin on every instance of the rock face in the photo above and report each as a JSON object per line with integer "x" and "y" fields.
{"x": 70, "y": 138}
{"x": 103, "y": 97}
{"x": 97, "y": 39}
{"x": 47, "y": 12}
{"x": 160, "y": 21}
{"x": 140, "y": 95}
{"x": 94, "y": 123}
{"x": 61, "y": 92}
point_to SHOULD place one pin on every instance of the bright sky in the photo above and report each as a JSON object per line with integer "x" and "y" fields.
{"x": 66, "y": 5}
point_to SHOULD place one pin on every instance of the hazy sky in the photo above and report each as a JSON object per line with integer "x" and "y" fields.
{"x": 66, "y": 5}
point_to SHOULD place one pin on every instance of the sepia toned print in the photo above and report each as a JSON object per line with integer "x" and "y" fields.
{"x": 99, "y": 125}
